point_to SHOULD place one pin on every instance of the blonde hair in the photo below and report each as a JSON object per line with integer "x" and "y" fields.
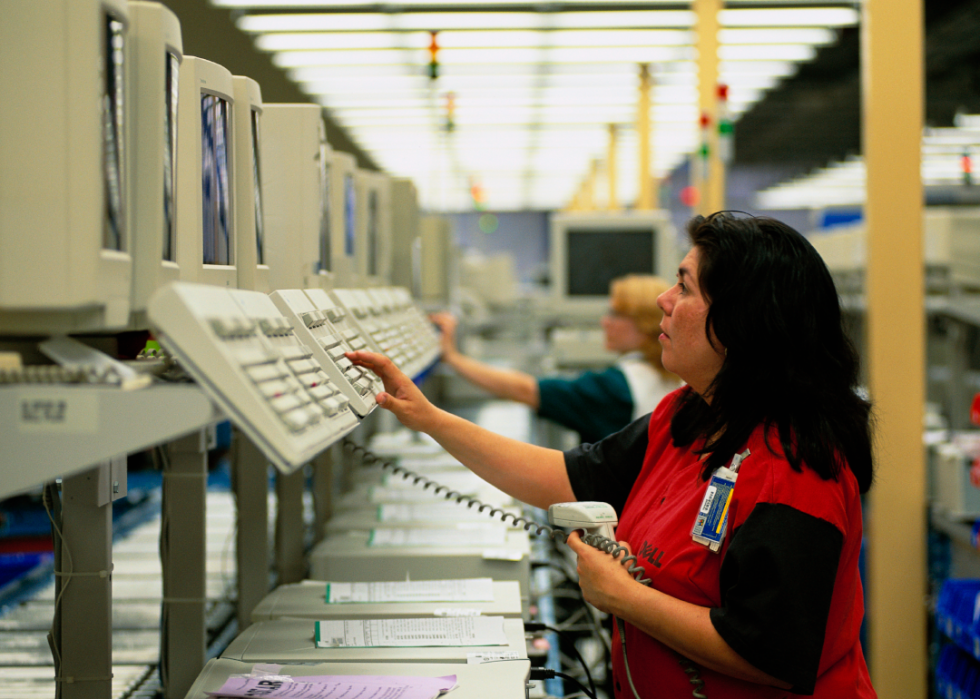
{"x": 635, "y": 296}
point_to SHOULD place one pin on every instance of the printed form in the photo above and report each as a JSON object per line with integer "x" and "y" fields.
{"x": 411, "y": 633}
{"x": 464, "y": 590}
{"x": 476, "y": 535}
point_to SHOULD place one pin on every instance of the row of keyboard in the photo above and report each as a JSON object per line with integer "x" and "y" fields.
{"x": 276, "y": 364}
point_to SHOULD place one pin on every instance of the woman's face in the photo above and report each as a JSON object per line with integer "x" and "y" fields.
{"x": 686, "y": 350}
{"x": 621, "y": 332}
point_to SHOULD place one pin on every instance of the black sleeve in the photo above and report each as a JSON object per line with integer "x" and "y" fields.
{"x": 605, "y": 471}
{"x": 777, "y": 581}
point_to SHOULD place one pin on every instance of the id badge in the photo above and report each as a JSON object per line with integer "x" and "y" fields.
{"x": 712, "y": 520}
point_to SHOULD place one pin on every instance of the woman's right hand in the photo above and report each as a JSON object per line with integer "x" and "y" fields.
{"x": 401, "y": 396}
{"x": 446, "y": 322}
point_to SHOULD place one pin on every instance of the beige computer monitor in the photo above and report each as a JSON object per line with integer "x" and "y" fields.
{"x": 297, "y": 180}
{"x": 155, "y": 54}
{"x": 65, "y": 258}
{"x": 206, "y": 245}
{"x": 250, "y": 244}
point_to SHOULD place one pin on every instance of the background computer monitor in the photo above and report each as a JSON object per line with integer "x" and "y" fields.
{"x": 295, "y": 159}
{"x": 589, "y": 250}
{"x": 65, "y": 262}
{"x": 251, "y": 262}
{"x": 343, "y": 219}
{"x": 373, "y": 233}
{"x": 155, "y": 54}
{"x": 205, "y": 174}
{"x": 404, "y": 231}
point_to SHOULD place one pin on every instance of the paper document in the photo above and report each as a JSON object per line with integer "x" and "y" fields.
{"x": 465, "y": 590}
{"x": 457, "y": 480}
{"x": 380, "y": 494}
{"x": 437, "y": 512}
{"x": 458, "y": 536}
{"x": 421, "y": 464}
{"x": 411, "y": 633}
{"x": 336, "y": 687}
{"x": 493, "y": 656}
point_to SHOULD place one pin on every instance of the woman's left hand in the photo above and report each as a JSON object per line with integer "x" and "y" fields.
{"x": 603, "y": 579}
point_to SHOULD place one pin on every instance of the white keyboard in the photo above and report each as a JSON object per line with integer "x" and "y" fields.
{"x": 246, "y": 355}
{"x": 382, "y": 317}
{"x": 327, "y": 346}
{"x": 423, "y": 334}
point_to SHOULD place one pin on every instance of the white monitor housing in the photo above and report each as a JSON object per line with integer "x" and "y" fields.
{"x": 590, "y": 249}
{"x": 404, "y": 230}
{"x": 205, "y": 174}
{"x": 373, "y": 228}
{"x": 298, "y": 206}
{"x": 65, "y": 263}
{"x": 253, "y": 267}
{"x": 343, "y": 218}
{"x": 155, "y": 54}
{"x": 438, "y": 256}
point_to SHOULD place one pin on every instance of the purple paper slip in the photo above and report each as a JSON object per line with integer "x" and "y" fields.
{"x": 335, "y": 687}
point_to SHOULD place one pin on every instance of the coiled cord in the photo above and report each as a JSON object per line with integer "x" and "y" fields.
{"x": 598, "y": 541}
{"x": 537, "y": 529}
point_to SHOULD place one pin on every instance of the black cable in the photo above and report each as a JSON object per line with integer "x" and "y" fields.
{"x": 543, "y": 673}
{"x": 537, "y": 626}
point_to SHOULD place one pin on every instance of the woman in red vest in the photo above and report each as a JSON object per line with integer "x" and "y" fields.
{"x": 739, "y": 495}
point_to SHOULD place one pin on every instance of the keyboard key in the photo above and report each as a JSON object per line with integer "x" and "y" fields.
{"x": 296, "y": 351}
{"x": 331, "y": 406}
{"x": 297, "y": 420}
{"x": 272, "y": 389}
{"x": 303, "y": 366}
{"x": 285, "y": 403}
{"x": 322, "y": 391}
{"x": 265, "y": 372}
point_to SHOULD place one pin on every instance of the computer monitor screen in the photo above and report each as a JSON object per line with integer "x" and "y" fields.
{"x": 350, "y": 208}
{"x": 595, "y": 257}
{"x": 257, "y": 179}
{"x": 324, "y": 264}
{"x": 171, "y": 87}
{"x": 372, "y": 232}
{"x": 113, "y": 114}
{"x": 214, "y": 175}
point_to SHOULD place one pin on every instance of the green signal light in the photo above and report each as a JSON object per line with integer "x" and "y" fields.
{"x": 489, "y": 223}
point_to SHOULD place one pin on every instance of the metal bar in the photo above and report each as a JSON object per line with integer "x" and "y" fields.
{"x": 86, "y": 585}
{"x": 250, "y": 471}
{"x": 182, "y": 552}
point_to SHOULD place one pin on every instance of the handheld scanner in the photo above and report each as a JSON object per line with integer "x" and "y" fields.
{"x": 593, "y": 517}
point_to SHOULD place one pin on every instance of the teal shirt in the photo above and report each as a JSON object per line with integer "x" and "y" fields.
{"x": 595, "y": 404}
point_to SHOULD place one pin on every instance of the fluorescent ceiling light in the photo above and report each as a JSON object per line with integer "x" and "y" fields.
{"x": 790, "y": 17}
{"x": 767, "y": 52}
{"x": 778, "y": 68}
{"x": 558, "y": 38}
{"x": 817, "y": 36}
{"x": 340, "y": 40}
{"x": 449, "y": 21}
{"x": 628, "y": 19}
{"x": 458, "y": 77}
{"x": 485, "y": 57}
{"x": 400, "y": 6}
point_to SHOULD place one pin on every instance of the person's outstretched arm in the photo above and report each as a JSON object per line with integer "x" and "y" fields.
{"x": 530, "y": 473}
{"x": 502, "y": 383}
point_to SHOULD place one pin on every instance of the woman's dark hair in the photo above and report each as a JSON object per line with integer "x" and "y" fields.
{"x": 788, "y": 364}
